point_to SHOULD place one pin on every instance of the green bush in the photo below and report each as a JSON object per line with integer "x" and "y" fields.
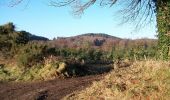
{"x": 11, "y": 40}
{"x": 31, "y": 54}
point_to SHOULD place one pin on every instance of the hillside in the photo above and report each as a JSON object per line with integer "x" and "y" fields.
{"x": 33, "y": 37}
{"x": 99, "y": 35}
{"x": 99, "y": 41}
{"x": 86, "y": 40}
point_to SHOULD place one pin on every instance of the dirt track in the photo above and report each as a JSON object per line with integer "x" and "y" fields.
{"x": 49, "y": 90}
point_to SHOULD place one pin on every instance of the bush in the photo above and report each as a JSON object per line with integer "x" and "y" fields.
{"x": 11, "y": 40}
{"x": 31, "y": 54}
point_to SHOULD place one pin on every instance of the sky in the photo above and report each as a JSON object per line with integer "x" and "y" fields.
{"x": 41, "y": 19}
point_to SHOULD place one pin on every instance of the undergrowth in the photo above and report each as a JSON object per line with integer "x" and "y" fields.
{"x": 39, "y": 72}
{"x": 144, "y": 80}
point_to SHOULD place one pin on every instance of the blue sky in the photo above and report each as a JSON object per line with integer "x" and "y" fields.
{"x": 40, "y": 19}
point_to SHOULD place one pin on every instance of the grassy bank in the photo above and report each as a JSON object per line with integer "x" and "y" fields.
{"x": 143, "y": 80}
{"x": 50, "y": 69}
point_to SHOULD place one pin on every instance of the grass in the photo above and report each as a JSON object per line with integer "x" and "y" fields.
{"x": 49, "y": 69}
{"x": 143, "y": 80}
{"x": 39, "y": 72}
{"x": 9, "y": 73}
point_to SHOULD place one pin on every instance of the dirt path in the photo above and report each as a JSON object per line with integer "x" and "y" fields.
{"x": 49, "y": 90}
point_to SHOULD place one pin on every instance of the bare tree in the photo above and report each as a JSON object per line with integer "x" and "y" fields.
{"x": 141, "y": 11}
{"x": 12, "y": 3}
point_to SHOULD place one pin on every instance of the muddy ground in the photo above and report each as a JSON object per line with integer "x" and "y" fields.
{"x": 49, "y": 90}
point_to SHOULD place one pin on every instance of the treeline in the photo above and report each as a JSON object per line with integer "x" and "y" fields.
{"x": 35, "y": 53}
{"x": 28, "y": 50}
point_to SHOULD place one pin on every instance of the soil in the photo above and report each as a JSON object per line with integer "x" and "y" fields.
{"x": 47, "y": 90}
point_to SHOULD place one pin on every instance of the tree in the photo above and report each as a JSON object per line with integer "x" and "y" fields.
{"x": 10, "y": 39}
{"x": 163, "y": 23}
{"x": 141, "y": 10}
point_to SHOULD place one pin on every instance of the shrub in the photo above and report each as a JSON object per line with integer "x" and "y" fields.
{"x": 31, "y": 54}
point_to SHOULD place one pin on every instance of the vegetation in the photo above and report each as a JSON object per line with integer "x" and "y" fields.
{"x": 10, "y": 40}
{"x": 24, "y": 58}
{"x": 142, "y": 80}
{"x": 31, "y": 54}
{"x": 163, "y": 19}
